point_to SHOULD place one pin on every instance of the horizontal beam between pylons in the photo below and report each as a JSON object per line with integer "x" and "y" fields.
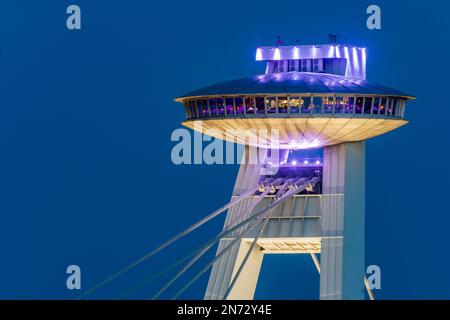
{"x": 169, "y": 242}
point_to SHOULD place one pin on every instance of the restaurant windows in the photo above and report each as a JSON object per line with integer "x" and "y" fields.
{"x": 383, "y": 104}
{"x": 249, "y": 105}
{"x": 186, "y": 109}
{"x": 317, "y": 105}
{"x": 389, "y": 107}
{"x": 359, "y": 105}
{"x": 202, "y": 107}
{"x": 271, "y": 104}
{"x": 339, "y": 108}
{"x": 239, "y": 105}
{"x": 294, "y": 103}
{"x": 198, "y": 107}
{"x": 400, "y": 108}
{"x": 376, "y": 105}
{"x": 368, "y": 105}
{"x": 349, "y": 104}
{"x": 229, "y": 105}
{"x": 328, "y": 104}
{"x": 305, "y": 103}
{"x": 192, "y": 113}
{"x": 213, "y": 107}
{"x": 282, "y": 105}
{"x": 220, "y": 106}
{"x": 393, "y": 107}
{"x": 259, "y": 103}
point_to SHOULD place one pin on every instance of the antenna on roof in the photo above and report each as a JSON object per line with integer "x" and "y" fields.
{"x": 332, "y": 39}
{"x": 278, "y": 42}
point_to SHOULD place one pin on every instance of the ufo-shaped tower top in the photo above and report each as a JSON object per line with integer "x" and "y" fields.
{"x": 310, "y": 96}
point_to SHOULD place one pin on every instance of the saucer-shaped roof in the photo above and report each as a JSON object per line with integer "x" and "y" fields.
{"x": 295, "y": 83}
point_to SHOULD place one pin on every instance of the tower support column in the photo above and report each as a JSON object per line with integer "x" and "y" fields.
{"x": 343, "y": 209}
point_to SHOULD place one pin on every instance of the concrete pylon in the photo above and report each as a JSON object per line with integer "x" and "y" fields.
{"x": 331, "y": 223}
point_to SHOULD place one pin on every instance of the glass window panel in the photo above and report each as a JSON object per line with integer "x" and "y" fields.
{"x": 220, "y": 106}
{"x": 239, "y": 103}
{"x": 349, "y": 104}
{"x": 367, "y": 105}
{"x": 204, "y": 108}
{"x": 305, "y": 103}
{"x": 249, "y": 105}
{"x": 294, "y": 103}
{"x": 359, "y": 105}
{"x": 282, "y": 104}
{"x": 376, "y": 105}
{"x": 193, "y": 111}
{"x": 259, "y": 101}
{"x": 271, "y": 103}
{"x": 198, "y": 106}
{"x": 229, "y": 106}
{"x": 394, "y": 106}
{"x": 328, "y": 103}
{"x": 383, "y": 105}
{"x": 389, "y": 106}
{"x": 317, "y": 101}
{"x": 213, "y": 107}
{"x": 339, "y": 108}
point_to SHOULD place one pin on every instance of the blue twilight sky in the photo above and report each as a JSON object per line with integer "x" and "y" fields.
{"x": 86, "y": 118}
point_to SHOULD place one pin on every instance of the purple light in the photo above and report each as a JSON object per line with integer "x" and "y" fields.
{"x": 317, "y": 162}
{"x": 294, "y": 163}
{"x": 296, "y": 53}
{"x": 337, "y": 51}
{"x": 276, "y": 54}
{"x": 305, "y": 162}
{"x": 364, "y": 57}
{"x": 258, "y": 54}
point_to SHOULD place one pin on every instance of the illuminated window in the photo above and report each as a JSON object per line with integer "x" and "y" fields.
{"x": 239, "y": 103}
{"x": 294, "y": 103}
{"x": 271, "y": 104}
{"x": 383, "y": 105}
{"x": 282, "y": 104}
{"x": 220, "y": 106}
{"x": 376, "y": 105}
{"x": 259, "y": 103}
{"x": 204, "y": 108}
{"x": 249, "y": 105}
{"x": 349, "y": 104}
{"x": 359, "y": 104}
{"x": 328, "y": 104}
{"x": 339, "y": 108}
{"x": 229, "y": 105}
{"x": 198, "y": 106}
{"x": 305, "y": 103}
{"x": 367, "y": 105}
{"x": 317, "y": 101}
{"x": 392, "y": 106}
{"x": 213, "y": 107}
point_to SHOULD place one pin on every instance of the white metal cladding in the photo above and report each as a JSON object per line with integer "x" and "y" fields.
{"x": 342, "y": 249}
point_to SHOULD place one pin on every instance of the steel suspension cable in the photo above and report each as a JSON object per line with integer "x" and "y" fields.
{"x": 168, "y": 242}
{"x": 195, "y": 253}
